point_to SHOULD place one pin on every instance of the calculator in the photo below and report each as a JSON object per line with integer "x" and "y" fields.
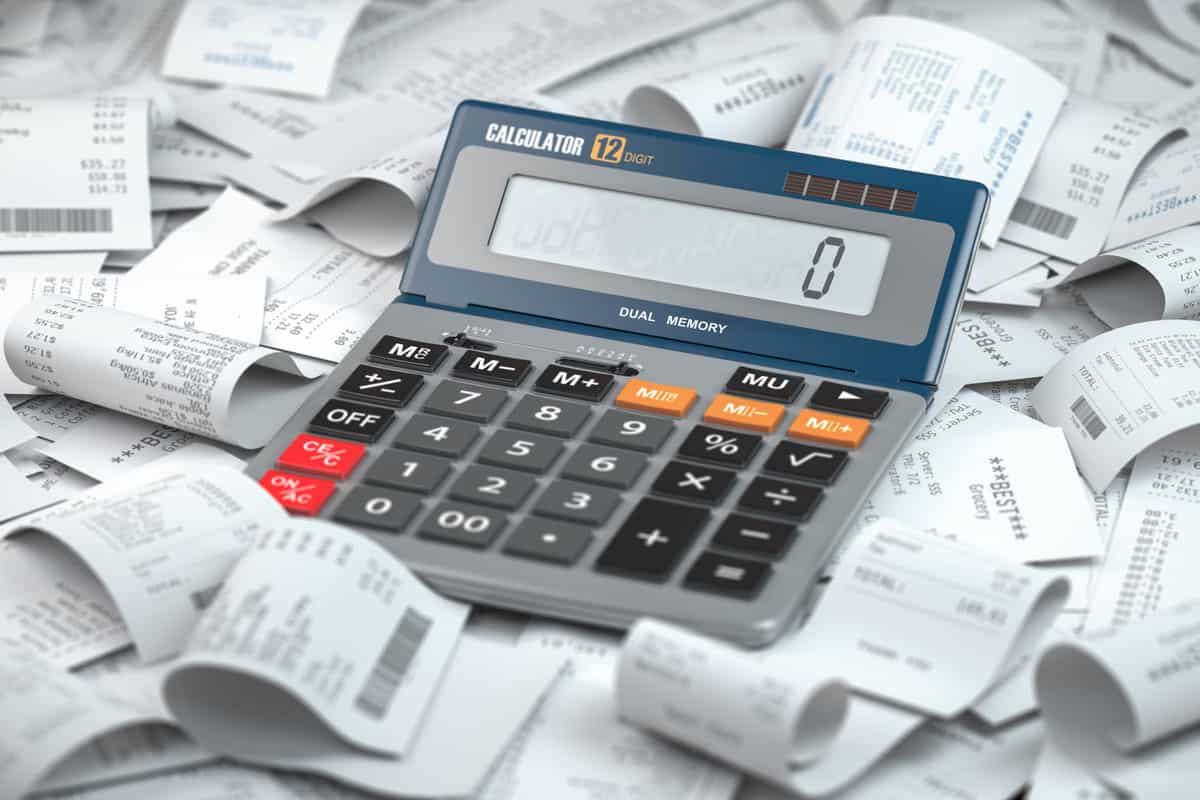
{"x": 631, "y": 372}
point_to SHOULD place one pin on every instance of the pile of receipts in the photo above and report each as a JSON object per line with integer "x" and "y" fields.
{"x": 226, "y": 190}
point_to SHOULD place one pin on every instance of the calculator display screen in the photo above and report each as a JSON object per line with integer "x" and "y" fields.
{"x": 735, "y": 252}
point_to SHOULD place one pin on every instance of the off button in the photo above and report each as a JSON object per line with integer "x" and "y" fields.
{"x": 357, "y": 421}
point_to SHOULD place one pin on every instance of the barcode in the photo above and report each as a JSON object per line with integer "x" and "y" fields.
{"x": 1046, "y": 220}
{"x": 388, "y": 673}
{"x": 1093, "y": 426}
{"x": 56, "y": 220}
{"x": 203, "y": 598}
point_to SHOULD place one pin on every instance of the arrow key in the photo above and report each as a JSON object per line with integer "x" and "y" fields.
{"x": 854, "y": 400}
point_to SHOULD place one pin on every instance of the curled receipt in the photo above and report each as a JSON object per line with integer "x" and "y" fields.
{"x": 201, "y": 382}
{"x": 763, "y": 716}
{"x": 916, "y": 620}
{"x": 1125, "y": 704}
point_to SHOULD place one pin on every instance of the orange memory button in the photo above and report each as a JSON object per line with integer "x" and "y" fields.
{"x": 829, "y": 428}
{"x": 739, "y": 412}
{"x": 674, "y": 401}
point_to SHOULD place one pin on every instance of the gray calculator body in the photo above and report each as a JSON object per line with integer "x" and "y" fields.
{"x": 519, "y": 440}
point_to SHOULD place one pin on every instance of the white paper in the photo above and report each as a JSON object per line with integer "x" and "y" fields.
{"x": 761, "y": 716}
{"x": 172, "y": 196}
{"x": 959, "y": 759}
{"x": 1148, "y": 566}
{"x": 321, "y": 296}
{"x": 1164, "y": 196}
{"x": 1022, "y": 291}
{"x": 48, "y": 714}
{"x": 1073, "y": 192}
{"x": 503, "y": 47}
{"x": 51, "y": 416}
{"x": 161, "y": 544}
{"x": 468, "y": 717}
{"x": 1131, "y": 21}
{"x": 913, "y": 94}
{"x": 994, "y": 265}
{"x": 283, "y": 45}
{"x": 601, "y": 92}
{"x": 376, "y": 207}
{"x": 1066, "y": 46}
{"x": 1155, "y": 278}
{"x": 54, "y": 606}
{"x": 753, "y": 99}
{"x": 200, "y": 382}
{"x": 182, "y": 154}
{"x": 995, "y": 343}
{"x": 1123, "y": 703}
{"x": 1121, "y": 392}
{"x": 73, "y": 174}
{"x": 278, "y": 629}
{"x": 52, "y": 262}
{"x": 574, "y": 745}
{"x": 23, "y": 23}
{"x": 935, "y": 623}
{"x": 993, "y": 479}
{"x": 1056, "y": 776}
{"x": 123, "y": 756}
{"x": 109, "y": 445}
{"x": 781, "y": 714}
{"x": 1130, "y": 80}
{"x": 231, "y": 309}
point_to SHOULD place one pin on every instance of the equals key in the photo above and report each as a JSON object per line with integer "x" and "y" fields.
{"x": 382, "y": 386}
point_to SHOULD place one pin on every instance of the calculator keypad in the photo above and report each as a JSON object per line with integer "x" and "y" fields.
{"x": 628, "y": 478}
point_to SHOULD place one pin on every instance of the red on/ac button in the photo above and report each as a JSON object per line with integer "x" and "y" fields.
{"x": 299, "y": 494}
{"x": 309, "y": 453}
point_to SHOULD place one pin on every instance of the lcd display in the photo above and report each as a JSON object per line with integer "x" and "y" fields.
{"x": 719, "y": 249}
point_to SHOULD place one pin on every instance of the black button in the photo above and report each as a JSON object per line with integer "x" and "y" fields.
{"x": 760, "y": 383}
{"x": 349, "y": 420}
{"x": 848, "y": 399}
{"x": 653, "y": 540}
{"x": 793, "y": 500}
{"x": 805, "y": 462}
{"x": 549, "y": 540}
{"x": 758, "y": 537}
{"x": 693, "y": 482}
{"x": 575, "y": 383}
{"x": 491, "y": 368}
{"x": 738, "y": 577}
{"x": 377, "y": 508}
{"x": 721, "y": 447}
{"x": 398, "y": 352}
{"x": 379, "y": 385}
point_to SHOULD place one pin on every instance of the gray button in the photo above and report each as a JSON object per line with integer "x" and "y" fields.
{"x": 604, "y": 465}
{"x": 404, "y": 469}
{"x": 547, "y": 415}
{"x": 492, "y": 486}
{"x": 437, "y": 435}
{"x": 519, "y": 450}
{"x": 377, "y": 508}
{"x": 462, "y": 400}
{"x": 549, "y": 540}
{"x": 577, "y": 502}
{"x": 634, "y": 431}
{"x": 463, "y": 524}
